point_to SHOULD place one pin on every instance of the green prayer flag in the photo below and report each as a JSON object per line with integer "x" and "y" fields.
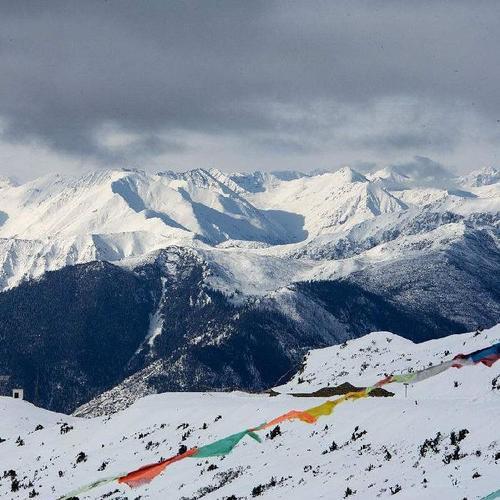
{"x": 491, "y": 496}
{"x": 224, "y": 446}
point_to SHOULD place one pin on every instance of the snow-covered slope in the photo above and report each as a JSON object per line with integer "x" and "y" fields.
{"x": 55, "y": 221}
{"x": 255, "y": 182}
{"x": 194, "y": 204}
{"x": 482, "y": 177}
{"x": 113, "y": 215}
{"x": 390, "y": 178}
{"x": 331, "y": 201}
{"x": 439, "y": 442}
{"x": 367, "y": 359}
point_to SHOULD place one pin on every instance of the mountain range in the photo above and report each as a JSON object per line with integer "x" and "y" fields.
{"x": 122, "y": 283}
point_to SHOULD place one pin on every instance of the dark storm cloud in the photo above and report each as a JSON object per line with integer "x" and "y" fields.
{"x": 158, "y": 69}
{"x": 435, "y": 140}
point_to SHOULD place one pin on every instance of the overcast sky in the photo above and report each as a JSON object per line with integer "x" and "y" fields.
{"x": 247, "y": 85}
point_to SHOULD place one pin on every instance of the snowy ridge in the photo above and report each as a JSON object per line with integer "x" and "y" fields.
{"x": 390, "y": 179}
{"x": 114, "y": 215}
{"x": 482, "y": 177}
{"x": 370, "y": 357}
{"x": 123, "y": 201}
{"x": 254, "y": 182}
{"x": 436, "y": 443}
{"x": 330, "y": 202}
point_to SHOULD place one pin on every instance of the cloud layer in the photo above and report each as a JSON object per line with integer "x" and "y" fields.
{"x": 285, "y": 83}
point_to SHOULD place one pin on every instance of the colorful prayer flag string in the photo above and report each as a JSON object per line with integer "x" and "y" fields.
{"x": 147, "y": 473}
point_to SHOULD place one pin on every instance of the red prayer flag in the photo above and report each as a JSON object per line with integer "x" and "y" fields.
{"x": 148, "y": 472}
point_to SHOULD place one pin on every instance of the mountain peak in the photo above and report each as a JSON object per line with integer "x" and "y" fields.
{"x": 482, "y": 177}
{"x": 348, "y": 175}
{"x": 390, "y": 178}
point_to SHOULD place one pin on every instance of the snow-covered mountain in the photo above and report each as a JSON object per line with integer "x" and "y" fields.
{"x": 257, "y": 182}
{"x": 139, "y": 283}
{"x": 51, "y": 222}
{"x": 390, "y": 178}
{"x": 56, "y": 221}
{"x": 329, "y": 202}
{"x": 483, "y": 177}
{"x": 191, "y": 205}
{"x": 438, "y": 442}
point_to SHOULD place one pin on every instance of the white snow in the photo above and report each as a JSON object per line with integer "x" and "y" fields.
{"x": 329, "y": 202}
{"x": 386, "y": 456}
{"x": 481, "y": 177}
{"x": 157, "y": 320}
{"x": 259, "y": 231}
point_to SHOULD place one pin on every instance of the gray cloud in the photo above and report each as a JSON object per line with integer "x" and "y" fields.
{"x": 163, "y": 71}
{"x": 434, "y": 140}
{"x": 426, "y": 172}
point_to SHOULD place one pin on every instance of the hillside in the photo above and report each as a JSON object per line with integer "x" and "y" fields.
{"x": 374, "y": 448}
